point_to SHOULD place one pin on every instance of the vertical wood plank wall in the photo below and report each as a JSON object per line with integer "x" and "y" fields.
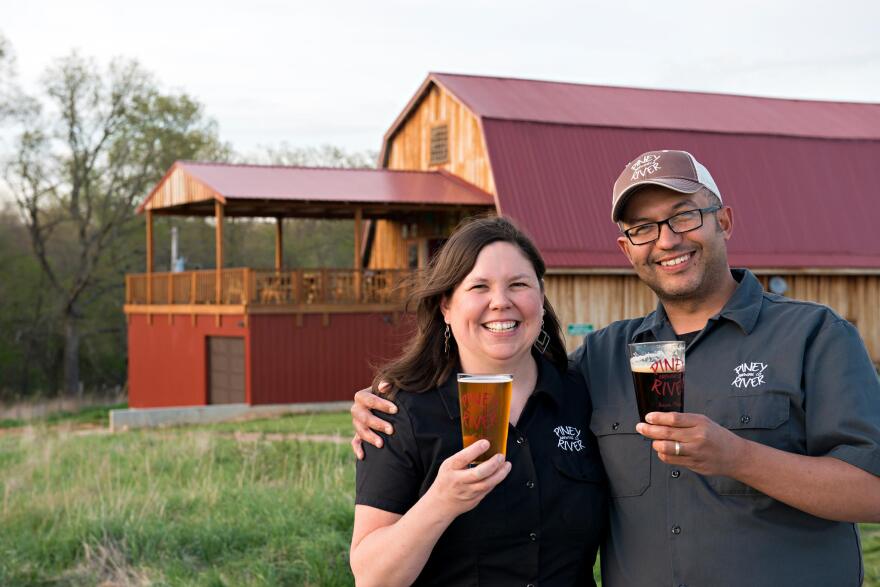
{"x": 468, "y": 159}
{"x": 179, "y": 188}
{"x": 410, "y": 149}
{"x": 388, "y": 250}
{"x": 602, "y": 299}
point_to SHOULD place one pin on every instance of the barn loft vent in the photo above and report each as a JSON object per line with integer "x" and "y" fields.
{"x": 439, "y": 144}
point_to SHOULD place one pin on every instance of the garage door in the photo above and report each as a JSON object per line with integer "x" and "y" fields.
{"x": 225, "y": 370}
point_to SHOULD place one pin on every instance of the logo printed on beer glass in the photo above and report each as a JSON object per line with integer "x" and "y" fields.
{"x": 569, "y": 438}
{"x": 479, "y": 412}
{"x": 668, "y": 381}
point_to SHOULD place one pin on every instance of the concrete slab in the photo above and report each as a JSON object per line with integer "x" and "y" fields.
{"x": 156, "y": 417}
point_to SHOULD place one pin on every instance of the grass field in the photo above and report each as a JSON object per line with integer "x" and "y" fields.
{"x": 186, "y": 506}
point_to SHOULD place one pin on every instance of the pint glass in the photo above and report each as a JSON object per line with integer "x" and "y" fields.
{"x": 658, "y": 376}
{"x": 485, "y": 411}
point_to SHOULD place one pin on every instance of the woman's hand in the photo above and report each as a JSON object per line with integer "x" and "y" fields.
{"x": 458, "y": 488}
{"x": 365, "y": 422}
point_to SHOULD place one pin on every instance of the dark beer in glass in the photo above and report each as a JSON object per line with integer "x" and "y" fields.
{"x": 658, "y": 376}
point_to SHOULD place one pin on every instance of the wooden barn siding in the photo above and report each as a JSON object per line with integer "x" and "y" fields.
{"x": 179, "y": 188}
{"x": 410, "y": 149}
{"x": 167, "y": 363}
{"x": 602, "y": 299}
{"x": 388, "y": 248}
{"x": 468, "y": 159}
{"x": 316, "y": 362}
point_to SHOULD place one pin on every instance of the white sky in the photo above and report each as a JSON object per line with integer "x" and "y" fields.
{"x": 339, "y": 71}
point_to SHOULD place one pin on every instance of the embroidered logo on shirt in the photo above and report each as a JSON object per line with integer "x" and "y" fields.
{"x": 647, "y": 165}
{"x": 569, "y": 438}
{"x": 749, "y": 375}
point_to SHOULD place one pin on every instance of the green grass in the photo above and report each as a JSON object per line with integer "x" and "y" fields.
{"x": 871, "y": 553}
{"x": 97, "y": 415}
{"x": 173, "y": 508}
{"x": 189, "y": 506}
{"x": 333, "y": 424}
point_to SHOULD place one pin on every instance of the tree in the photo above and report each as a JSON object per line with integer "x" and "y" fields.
{"x": 323, "y": 156}
{"x": 89, "y": 148}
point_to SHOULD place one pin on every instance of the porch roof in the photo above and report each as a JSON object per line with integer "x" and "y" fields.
{"x": 191, "y": 188}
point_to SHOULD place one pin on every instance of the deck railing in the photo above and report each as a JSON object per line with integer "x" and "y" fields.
{"x": 255, "y": 287}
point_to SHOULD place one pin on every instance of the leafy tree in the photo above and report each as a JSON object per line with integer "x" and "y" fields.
{"x": 89, "y": 148}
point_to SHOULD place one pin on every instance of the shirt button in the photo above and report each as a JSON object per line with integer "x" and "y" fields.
{"x": 533, "y": 537}
{"x": 745, "y": 419}
{"x": 530, "y": 484}
{"x": 676, "y": 473}
{"x": 615, "y": 426}
{"x": 676, "y": 530}
{"x": 520, "y": 440}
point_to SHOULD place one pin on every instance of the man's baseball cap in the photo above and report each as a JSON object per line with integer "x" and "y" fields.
{"x": 676, "y": 170}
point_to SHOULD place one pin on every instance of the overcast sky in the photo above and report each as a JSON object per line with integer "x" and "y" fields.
{"x": 339, "y": 71}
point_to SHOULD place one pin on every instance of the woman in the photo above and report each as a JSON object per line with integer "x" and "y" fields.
{"x": 424, "y": 516}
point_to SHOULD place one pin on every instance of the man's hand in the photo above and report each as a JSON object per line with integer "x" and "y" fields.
{"x": 365, "y": 422}
{"x": 704, "y": 446}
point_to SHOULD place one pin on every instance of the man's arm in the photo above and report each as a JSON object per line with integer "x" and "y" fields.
{"x": 823, "y": 486}
{"x": 365, "y": 422}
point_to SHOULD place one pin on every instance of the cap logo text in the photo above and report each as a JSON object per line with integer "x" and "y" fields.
{"x": 644, "y": 166}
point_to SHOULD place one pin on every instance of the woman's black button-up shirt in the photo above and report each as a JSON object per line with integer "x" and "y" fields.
{"x": 542, "y": 525}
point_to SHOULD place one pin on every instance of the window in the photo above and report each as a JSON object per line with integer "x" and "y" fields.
{"x": 439, "y": 144}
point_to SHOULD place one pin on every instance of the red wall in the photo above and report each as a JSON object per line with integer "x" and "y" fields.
{"x": 167, "y": 363}
{"x": 314, "y": 362}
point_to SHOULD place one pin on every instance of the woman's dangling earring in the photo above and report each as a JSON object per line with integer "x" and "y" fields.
{"x": 543, "y": 339}
{"x": 446, "y": 336}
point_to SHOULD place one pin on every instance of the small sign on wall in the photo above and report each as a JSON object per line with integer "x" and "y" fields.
{"x": 579, "y": 329}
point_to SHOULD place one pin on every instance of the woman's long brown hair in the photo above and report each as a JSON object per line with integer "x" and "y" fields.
{"x": 424, "y": 364}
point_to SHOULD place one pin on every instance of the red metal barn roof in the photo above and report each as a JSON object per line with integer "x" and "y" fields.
{"x": 586, "y": 105}
{"x": 312, "y": 184}
{"x": 799, "y": 174}
{"x": 798, "y": 202}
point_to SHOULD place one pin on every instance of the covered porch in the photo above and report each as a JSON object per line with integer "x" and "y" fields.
{"x": 434, "y": 201}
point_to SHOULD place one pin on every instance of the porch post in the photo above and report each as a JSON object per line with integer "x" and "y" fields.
{"x": 279, "y": 244}
{"x": 149, "y": 257}
{"x": 358, "y": 237}
{"x": 218, "y": 247}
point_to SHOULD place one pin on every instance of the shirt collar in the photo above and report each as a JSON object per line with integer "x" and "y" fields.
{"x": 549, "y": 382}
{"x": 744, "y": 305}
{"x": 742, "y": 308}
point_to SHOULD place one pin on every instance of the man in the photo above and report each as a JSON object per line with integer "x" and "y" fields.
{"x": 760, "y": 480}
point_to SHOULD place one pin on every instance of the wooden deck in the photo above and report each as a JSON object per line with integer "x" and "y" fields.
{"x": 245, "y": 290}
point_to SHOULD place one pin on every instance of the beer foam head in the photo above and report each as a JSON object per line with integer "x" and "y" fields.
{"x": 656, "y": 363}
{"x": 497, "y": 378}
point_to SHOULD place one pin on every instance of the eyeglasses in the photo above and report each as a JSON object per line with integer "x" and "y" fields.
{"x": 679, "y": 223}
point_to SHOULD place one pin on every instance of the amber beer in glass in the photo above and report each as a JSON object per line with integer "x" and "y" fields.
{"x": 485, "y": 411}
{"x": 658, "y": 376}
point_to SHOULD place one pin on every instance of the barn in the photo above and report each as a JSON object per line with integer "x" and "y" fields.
{"x": 797, "y": 173}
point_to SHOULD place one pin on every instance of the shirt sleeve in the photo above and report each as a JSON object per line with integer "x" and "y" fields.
{"x": 389, "y": 478}
{"x": 842, "y": 398}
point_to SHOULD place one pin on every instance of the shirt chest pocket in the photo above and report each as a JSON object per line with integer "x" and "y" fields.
{"x": 626, "y": 454}
{"x": 760, "y": 418}
{"x": 581, "y": 491}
